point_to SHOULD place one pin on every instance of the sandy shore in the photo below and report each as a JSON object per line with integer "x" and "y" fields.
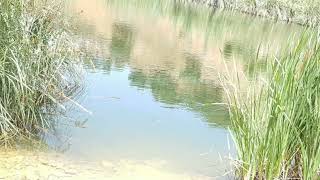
{"x": 38, "y": 165}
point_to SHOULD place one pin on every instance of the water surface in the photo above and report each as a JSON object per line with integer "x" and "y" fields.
{"x": 152, "y": 78}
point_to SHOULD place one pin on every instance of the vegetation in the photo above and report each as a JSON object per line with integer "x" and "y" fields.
{"x": 37, "y": 68}
{"x": 276, "y": 126}
{"x": 300, "y": 11}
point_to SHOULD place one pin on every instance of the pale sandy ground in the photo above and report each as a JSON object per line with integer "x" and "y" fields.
{"x": 25, "y": 165}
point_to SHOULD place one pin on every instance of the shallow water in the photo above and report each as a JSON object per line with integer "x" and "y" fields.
{"x": 152, "y": 85}
{"x": 18, "y": 165}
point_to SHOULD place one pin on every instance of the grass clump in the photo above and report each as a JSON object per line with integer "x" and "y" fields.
{"x": 276, "y": 125}
{"x": 37, "y": 66}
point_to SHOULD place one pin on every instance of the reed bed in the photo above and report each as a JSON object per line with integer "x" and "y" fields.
{"x": 37, "y": 66}
{"x": 276, "y": 123}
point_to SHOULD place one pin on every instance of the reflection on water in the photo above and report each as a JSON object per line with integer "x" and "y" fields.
{"x": 121, "y": 44}
{"x": 196, "y": 96}
{"x": 153, "y": 80}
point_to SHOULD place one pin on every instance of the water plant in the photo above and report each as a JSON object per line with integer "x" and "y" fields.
{"x": 37, "y": 66}
{"x": 276, "y": 124}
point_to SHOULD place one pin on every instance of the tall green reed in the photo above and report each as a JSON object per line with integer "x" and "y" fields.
{"x": 37, "y": 66}
{"x": 276, "y": 123}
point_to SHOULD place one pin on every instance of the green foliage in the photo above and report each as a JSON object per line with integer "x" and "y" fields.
{"x": 276, "y": 126}
{"x": 36, "y": 66}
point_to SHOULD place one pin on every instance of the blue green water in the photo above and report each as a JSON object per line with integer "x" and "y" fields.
{"x": 152, "y": 81}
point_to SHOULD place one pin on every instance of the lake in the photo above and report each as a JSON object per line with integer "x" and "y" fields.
{"x": 152, "y": 92}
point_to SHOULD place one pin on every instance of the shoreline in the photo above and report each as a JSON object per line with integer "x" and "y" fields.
{"x": 21, "y": 164}
{"x": 302, "y": 13}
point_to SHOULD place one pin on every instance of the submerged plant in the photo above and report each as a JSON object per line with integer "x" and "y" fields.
{"x": 276, "y": 125}
{"x": 37, "y": 66}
